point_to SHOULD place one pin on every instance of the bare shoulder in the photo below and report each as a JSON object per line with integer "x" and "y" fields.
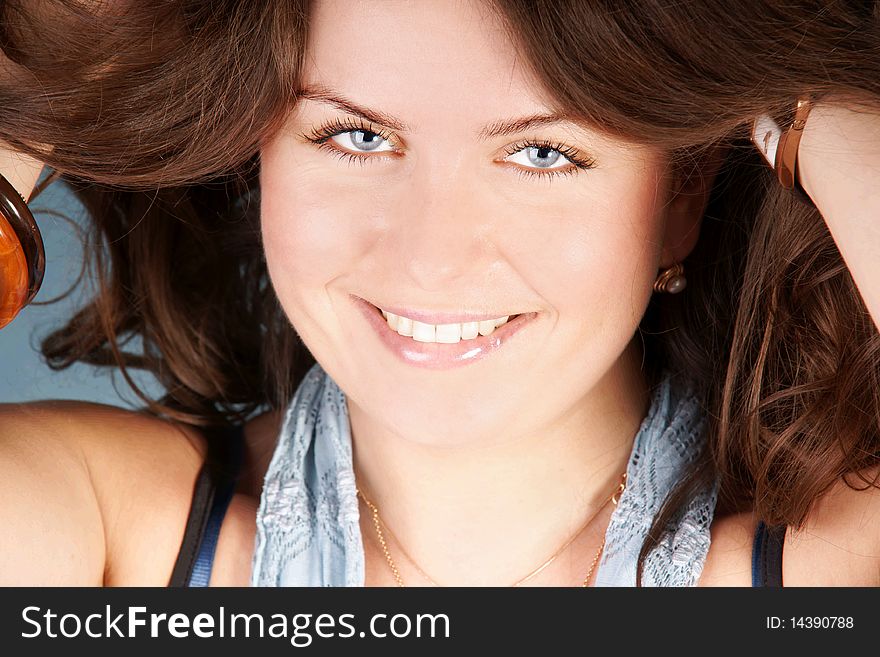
{"x": 728, "y": 562}
{"x": 93, "y": 494}
{"x": 839, "y": 545}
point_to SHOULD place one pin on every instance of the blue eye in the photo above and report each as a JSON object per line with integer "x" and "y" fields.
{"x": 538, "y": 157}
{"x": 542, "y": 157}
{"x": 356, "y": 136}
{"x": 363, "y": 140}
{"x": 355, "y": 140}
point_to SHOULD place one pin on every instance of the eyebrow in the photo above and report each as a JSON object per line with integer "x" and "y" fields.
{"x": 502, "y": 128}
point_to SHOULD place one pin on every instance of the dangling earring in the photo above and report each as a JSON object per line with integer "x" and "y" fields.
{"x": 671, "y": 279}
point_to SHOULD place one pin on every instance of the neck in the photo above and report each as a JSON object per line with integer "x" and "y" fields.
{"x": 488, "y": 513}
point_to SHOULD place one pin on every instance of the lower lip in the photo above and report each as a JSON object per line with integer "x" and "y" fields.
{"x": 435, "y": 355}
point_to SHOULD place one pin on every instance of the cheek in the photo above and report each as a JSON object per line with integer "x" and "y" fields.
{"x": 309, "y": 237}
{"x": 597, "y": 264}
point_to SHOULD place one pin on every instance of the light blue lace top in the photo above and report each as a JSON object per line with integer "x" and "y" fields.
{"x": 308, "y": 530}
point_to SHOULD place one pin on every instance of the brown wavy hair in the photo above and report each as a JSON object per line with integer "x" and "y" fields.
{"x": 154, "y": 114}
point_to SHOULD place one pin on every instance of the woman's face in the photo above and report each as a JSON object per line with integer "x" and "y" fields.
{"x": 440, "y": 208}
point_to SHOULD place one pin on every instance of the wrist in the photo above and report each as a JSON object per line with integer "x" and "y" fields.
{"x": 837, "y": 138}
{"x": 806, "y": 173}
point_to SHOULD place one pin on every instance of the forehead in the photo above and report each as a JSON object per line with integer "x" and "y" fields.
{"x": 449, "y": 56}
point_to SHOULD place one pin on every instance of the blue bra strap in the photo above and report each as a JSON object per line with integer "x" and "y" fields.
{"x": 227, "y": 474}
{"x": 767, "y": 555}
{"x": 204, "y": 563}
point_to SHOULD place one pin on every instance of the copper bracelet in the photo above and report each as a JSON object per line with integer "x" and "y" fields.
{"x": 787, "y": 151}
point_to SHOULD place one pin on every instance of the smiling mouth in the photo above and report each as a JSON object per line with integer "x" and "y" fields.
{"x": 441, "y": 333}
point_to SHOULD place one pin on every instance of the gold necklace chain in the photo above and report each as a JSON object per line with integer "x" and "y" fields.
{"x": 378, "y": 524}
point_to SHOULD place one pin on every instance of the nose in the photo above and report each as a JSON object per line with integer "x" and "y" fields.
{"x": 439, "y": 234}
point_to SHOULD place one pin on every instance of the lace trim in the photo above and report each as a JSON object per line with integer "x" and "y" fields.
{"x": 307, "y": 523}
{"x": 308, "y": 531}
{"x": 667, "y": 443}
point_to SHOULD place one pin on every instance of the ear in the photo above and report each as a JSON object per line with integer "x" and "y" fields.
{"x": 691, "y": 187}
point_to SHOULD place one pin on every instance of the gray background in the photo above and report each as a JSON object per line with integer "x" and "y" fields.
{"x": 24, "y": 375}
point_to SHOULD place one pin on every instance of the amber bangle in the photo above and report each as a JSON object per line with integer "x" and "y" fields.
{"x": 18, "y": 219}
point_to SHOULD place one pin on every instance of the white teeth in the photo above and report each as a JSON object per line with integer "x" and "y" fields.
{"x": 405, "y": 326}
{"x": 470, "y": 330}
{"x": 442, "y": 333}
{"x": 448, "y": 333}
{"x": 423, "y": 332}
{"x": 487, "y": 327}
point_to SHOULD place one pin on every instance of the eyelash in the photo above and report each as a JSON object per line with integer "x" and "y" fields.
{"x": 322, "y": 134}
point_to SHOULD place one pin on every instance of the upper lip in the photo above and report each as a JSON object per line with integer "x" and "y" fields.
{"x": 434, "y": 317}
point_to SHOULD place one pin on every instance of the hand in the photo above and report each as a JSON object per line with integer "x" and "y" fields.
{"x": 840, "y": 142}
{"x": 839, "y": 167}
{"x": 21, "y": 170}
